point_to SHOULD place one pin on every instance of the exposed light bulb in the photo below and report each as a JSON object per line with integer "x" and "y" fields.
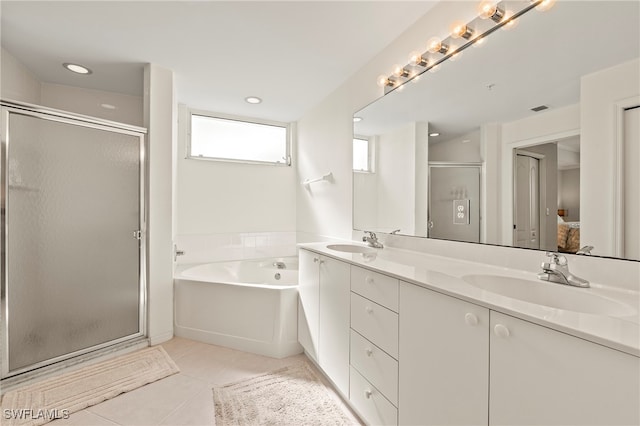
{"x": 545, "y": 5}
{"x": 399, "y": 71}
{"x": 460, "y": 29}
{"x": 416, "y": 59}
{"x": 488, "y": 9}
{"x": 435, "y": 45}
{"x": 383, "y": 81}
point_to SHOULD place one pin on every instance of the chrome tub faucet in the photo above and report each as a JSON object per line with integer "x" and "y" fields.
{"x": 372, "y": 240}
{"x": 557, "y": 271}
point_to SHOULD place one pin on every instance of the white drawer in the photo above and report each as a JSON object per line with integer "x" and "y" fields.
{"x": 376, "y": 323}
{"x": 370, "y": 403}
{"x": 376, "y": 365}
{"x": 377, "y": 287}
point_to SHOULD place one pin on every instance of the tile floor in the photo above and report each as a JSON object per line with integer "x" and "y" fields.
{"x": 185, "y": 398}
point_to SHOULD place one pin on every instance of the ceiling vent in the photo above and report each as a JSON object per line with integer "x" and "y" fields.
{"x": 539, "y": 108}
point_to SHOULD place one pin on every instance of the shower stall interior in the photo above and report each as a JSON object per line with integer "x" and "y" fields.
{"x": 73, "y": 251}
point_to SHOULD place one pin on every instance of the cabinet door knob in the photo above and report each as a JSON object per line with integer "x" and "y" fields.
{"x": 501, "y": 331}
{"x": 368, "y": 351}
{"x": 316, "y": 260}
{"x": 369, "y": 309}
{"x": 470, "y": 319}
{"x": 369, "y": 280}
{"x": 368, "y": 393}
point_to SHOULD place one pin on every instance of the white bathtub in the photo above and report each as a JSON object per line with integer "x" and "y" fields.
{"x": 249, "y": 305}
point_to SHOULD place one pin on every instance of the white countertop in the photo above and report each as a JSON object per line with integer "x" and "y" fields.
{"x": 444, "y": 275}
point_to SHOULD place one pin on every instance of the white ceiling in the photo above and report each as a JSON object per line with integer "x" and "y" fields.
{"x": 292, "y": 54}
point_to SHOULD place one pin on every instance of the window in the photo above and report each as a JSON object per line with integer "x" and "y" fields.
{"x": 362, "y": 155}
{"x": 238, "y": 139}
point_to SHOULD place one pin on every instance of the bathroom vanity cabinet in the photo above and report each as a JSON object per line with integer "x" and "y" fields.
{"x": 461, "y": 363}
{"x": 545, "y": 377}
{"x": 323, "y": 314}
{"x": 444, "y": 359}
{"x": 403, "y": 353}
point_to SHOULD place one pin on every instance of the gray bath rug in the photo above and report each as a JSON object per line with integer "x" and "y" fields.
{"x": 59, "y": 396}
{"x": 293, "y": 395}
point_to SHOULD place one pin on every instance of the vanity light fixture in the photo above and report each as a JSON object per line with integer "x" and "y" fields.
{"x": 489, "y": 9}
{"x": 416, "y": 59}
{"x": 492, "y": 16}
{"x": 400, "y": 71}
{"x": 253, "y": 100}
{"x": 384, "y": 81}
{"x": 78, "y": 69}
{"x": 435, "y": 45}
{"x": 460, "y": 29}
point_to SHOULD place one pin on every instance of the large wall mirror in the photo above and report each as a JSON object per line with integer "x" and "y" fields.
{"x": 530, "y": 139}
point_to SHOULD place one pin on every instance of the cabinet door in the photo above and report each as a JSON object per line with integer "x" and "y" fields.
{"x": 333, "y": 355}
{"x": 443, "y": 359}
{"x": 308, "y": 302}
{"x": 542, "y": 376}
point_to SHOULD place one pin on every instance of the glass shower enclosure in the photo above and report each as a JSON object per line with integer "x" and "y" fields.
{"x": 73, "y": 251}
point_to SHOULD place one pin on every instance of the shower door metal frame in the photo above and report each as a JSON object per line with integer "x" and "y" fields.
{"x": 12, "y": 107}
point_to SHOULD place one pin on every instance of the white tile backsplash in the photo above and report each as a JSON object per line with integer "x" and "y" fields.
{"x": 203, "y": 248}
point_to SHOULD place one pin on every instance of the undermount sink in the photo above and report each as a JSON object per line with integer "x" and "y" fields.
{"x": 350, "y": 248}
{"x": 551, "y": 295}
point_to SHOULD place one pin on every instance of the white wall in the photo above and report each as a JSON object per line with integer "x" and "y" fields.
{"x": 325, "y": 132}
{"x": 128, "y": 109}
{"x": 463, "y": 149}
{"x": 395, "y": 180}
{"x": 569, "y": 193}
{"x": 17, "y": 82}
{"x": 160, "y": 116}
{"x": 221, "y": 197}
{"x": 601, "y": 93}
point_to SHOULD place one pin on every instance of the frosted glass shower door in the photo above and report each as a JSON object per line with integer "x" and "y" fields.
{"x": 454, "y": 202}
{"x": 72, "y": 271}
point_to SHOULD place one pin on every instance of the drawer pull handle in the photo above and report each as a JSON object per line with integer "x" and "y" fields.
{"x": 501, "y": 331}
{"x": 368, "y": 393}
{"x": 471, "y": 319}
{"x": 369, "y": 310}
{"x": 369, "y": 280}
{"x": 368, "y": 351}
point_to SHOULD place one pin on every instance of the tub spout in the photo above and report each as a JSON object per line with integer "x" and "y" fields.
{"x": 280, "y": 265}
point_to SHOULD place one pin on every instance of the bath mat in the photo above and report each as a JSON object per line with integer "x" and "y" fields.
{"x": 59, "y": 396}
{"x": 293, "y": 395}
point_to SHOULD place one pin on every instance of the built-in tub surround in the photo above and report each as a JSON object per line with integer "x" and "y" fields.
{"x": 615, "y": 328}
{"x": 202, "y": 248}
{"x": 250, "y": 305}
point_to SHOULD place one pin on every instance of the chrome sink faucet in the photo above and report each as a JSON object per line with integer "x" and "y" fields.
{"x": 372, "y": 240}
{"x": 557, "y": 271}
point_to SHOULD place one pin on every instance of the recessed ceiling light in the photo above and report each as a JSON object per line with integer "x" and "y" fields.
{"x": 357, "y": 119}
{"x": 253, "y": 100}
{"x": 434, "y": 134}
{"x": 78, "y": 69}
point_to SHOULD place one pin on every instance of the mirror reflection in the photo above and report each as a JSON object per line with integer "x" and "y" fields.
{"x": 529, "y": 140}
